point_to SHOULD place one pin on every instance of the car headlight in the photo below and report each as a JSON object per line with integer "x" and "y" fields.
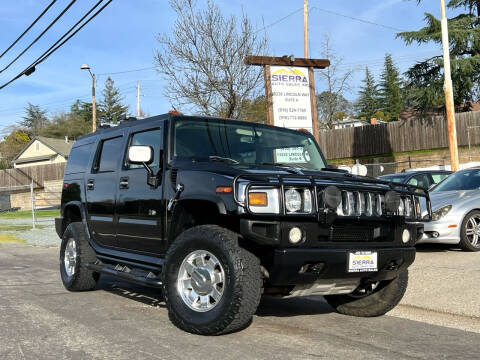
{"x": 440, "y": 213}
{"x": 264, "y": 200}
{"x": 298, "y": 201}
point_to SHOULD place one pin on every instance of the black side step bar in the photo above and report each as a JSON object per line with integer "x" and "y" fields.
{"x": 125, "y": 273}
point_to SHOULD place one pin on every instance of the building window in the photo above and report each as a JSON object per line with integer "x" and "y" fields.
{"x": 37, "y": 146}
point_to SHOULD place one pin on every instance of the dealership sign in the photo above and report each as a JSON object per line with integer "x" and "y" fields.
{"x": 291, "y": 97}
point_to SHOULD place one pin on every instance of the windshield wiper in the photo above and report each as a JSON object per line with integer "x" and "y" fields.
{"x": 286, "y": 166}
{"x": 223, "y": 159}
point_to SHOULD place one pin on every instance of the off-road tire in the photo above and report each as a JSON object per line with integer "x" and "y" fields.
{"x": 82, "y": 278}
{"x": 465, "y": 244}
{"x": 383, "y": 299}
{"x": 243, "y": 282}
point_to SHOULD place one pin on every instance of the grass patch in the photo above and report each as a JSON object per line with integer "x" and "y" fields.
{"x": 28, "y": 214}
{"x": 7, "y": 227}
{"x": 10, "y": 239}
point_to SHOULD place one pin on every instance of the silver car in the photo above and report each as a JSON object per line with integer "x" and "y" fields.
{"x": 456, "y": 211}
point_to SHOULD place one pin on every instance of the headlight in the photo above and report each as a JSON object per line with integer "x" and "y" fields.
{"x": 297, "y": 200}
{"x": 264, "y": 200}
{"x": 440, "y": 213}
{"x": 293, "y": 200}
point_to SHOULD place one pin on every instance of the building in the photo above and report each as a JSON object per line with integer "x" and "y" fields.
{"x": 348, "y": 122}
{"x": 42, "y": 150}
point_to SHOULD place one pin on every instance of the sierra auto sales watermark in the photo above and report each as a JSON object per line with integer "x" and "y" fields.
{"x": 291, "y": 97}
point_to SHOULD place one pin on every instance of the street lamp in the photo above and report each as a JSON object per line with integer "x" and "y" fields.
{"x": 94, "y": 108}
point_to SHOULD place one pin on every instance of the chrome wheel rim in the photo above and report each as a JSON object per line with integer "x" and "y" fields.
{"x": 472, "y": 230}
{"x": 70, "y": 257}
{"x": 201, "y": 281}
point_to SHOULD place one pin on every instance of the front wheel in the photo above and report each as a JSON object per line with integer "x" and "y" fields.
{"x": 211, "y": 285}
{"x": 75, "y": 252}
{"x": 470, "y": 232}
{"x": 371, "y": 299}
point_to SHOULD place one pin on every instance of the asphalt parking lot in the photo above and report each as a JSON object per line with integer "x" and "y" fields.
{"x": 41, "y": 320}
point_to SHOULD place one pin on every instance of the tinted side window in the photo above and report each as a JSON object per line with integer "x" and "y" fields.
{"x": 109, "y": 154}
{"x": 78, "y": 159}
{"x": 151, "y": 138}
{"x": 438, "y": 177}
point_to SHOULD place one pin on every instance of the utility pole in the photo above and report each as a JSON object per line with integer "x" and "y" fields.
{"x": 449, "y": 104}
{"x": 94, "y": 106}
{"x": 305, "y": 29}
{"x": 311, "y": 77}
{"x": 138, "y": 99}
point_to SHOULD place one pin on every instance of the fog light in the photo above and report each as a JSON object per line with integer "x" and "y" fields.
{"x": 295, "y": 235}
{"x": 435, "y": 234}
{"x": 406, "y": 236}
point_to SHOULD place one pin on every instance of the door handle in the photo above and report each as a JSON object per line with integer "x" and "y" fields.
{"x": 124, "y": 183}
{"x": 90, "y": 184}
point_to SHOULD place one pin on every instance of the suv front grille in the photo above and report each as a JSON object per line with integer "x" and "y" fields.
{"x": 351, "y": 233}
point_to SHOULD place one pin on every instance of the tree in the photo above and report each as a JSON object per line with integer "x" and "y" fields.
{"x": 67, "y": 124}
{"x": 202, "y": 61}
{"x": 111, "y": 109}
{"x": 11, "y": 146}
{"x": 426, "y": 77}
{"x": 336, "y": 83}
{"x": 256, "y": 110}
{"x": 83, "y": 110}
{"x": 390, "y": 90}
{"x": 34, "y": 120}
{"x": 330, "y": 106}
{"x": 367, "y": 103}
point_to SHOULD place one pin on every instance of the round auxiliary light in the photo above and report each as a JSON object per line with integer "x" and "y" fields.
{"x": 295, "y": 235}
{"x": 293, "y": 200}
{"x": 406, "y": 236}
{"x": 392, "y": 201}
{"x": 332, "y": 197}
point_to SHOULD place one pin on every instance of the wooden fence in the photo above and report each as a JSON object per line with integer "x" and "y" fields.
{"x": 398, "y": 136}
{"x": 12, "y": 178}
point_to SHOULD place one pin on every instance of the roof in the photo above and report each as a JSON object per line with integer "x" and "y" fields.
{"x": 60, "y": 146}
{"x": 34, "y": 159}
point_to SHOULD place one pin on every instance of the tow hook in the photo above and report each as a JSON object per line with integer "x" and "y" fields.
{"x": 173, "y": 200}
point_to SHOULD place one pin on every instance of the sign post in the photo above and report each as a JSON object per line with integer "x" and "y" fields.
{"x": 290, "y": 91}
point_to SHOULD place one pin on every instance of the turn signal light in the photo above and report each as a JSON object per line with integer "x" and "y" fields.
{"x": 257, "y": 199}
{"x": 224, "y": 189}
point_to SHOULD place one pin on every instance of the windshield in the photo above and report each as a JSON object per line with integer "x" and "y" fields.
{"x": 462, "y": 180}
{"x": 249, "y": 144}
{"x": 394, "y": 178}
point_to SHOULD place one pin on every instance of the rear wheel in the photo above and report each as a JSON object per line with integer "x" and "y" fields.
{"x": 470, "y": 232}
{"x": 211, "y": 285}
{"x": 371, "y": 299}
{"x": 75, "y": 252}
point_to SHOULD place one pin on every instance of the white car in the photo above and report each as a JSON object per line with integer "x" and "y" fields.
{"x": 456, "y": 211}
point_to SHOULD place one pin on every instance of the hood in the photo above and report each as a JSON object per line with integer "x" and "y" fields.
{"x": 455, "y": 197}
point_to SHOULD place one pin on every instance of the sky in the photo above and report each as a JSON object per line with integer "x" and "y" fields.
{"x": 123, "y": 38}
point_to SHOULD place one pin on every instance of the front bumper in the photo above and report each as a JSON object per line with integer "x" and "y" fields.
{"x": 447, "y": 228}
{"x": 303, "y": 266}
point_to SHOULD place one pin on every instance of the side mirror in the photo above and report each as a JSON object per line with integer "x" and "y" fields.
{"x": 140, "y": 154}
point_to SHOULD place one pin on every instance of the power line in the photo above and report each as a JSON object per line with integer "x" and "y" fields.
{"x": 28, "y": 28}
{"x": 279, "y": 20}
{"x": 30, "y": 69}
{"x": 358, "y": 19}
{"x": 39, "y": 36}
{"x": 127, "y": 71}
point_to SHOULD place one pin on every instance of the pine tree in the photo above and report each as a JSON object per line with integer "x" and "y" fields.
{"x": 390, "y": 90}
{"x": 426, "y": 78}
{"x": 111, "y": 109}
{"x": 367, "y": 103}
{"x": 34, "y": 120}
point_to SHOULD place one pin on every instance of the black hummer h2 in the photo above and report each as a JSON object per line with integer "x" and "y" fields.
{"x": 218, "y": 212}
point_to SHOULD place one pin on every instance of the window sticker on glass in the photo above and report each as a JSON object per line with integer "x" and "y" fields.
{"x": 292, "y": 155}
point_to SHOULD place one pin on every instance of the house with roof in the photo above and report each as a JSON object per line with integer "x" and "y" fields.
{"x": 43, "y": 150}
